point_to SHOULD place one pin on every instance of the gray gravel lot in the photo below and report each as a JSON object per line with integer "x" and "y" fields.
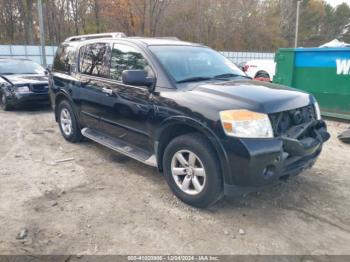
{"x": 104, "y": 203}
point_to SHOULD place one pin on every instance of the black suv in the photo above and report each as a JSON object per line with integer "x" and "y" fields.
{"x": 187, "y": 110}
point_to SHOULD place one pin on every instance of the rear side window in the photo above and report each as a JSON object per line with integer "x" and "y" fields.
{"x": 94, "y": 59}
{"x": 125, "y": 57}
{"x": 65, "y": 58}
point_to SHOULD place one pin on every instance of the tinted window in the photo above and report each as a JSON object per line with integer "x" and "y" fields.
{"x": 127, "y": 58}
{"x": 64, "y": 58}
{"x": 94, "y": 59}
{"x": 9, "y": 67}
{"x": 185, "y": 62}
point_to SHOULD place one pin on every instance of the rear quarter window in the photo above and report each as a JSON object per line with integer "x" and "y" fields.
{"x": 64, "y": 59}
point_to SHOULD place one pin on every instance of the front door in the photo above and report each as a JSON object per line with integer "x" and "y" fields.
{"x": 128, "y": 117}
{"x": 93, "y": 69}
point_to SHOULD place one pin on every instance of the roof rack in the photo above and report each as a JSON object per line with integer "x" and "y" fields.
{"x": 157, "y": 37}
{"x": 168, "y": 37}
{"x": 93, "y": 36}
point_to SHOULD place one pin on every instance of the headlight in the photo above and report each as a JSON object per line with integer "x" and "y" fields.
{"x": 22, "y": 89}
{"x": 245, "y": 123}
{"x": 317, "y": 111}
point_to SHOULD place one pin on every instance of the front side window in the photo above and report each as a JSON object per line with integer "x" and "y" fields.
{"x": 94, "y": 59}
{"x": 125, "y": 57}
{"x": 194, "y": 63}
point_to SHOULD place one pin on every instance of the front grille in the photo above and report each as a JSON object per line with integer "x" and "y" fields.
{"x": 40, "y": 88}
{"x": 283, "y": 121}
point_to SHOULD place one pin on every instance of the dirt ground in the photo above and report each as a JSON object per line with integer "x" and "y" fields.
{"x": 104, "y": 203}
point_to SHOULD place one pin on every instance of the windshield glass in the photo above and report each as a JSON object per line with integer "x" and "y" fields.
{"x": 193, "y": 63}
{"x": 20, "y": 67}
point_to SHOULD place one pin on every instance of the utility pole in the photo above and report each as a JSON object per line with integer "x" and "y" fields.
{"x": 42, "y": 32}
{"x": 297, "y": 24}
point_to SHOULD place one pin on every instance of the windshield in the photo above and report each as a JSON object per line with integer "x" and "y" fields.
{"x": 8, "y": 67}
{"x": 193, "y": 63}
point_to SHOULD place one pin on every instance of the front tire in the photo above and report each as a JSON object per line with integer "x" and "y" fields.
{"x": 4, "y": 103}
{"x": 192, "y": 170}
{"x": 68, "y": 123}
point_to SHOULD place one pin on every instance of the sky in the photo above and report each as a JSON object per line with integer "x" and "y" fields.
{"x": 337, "y": 2}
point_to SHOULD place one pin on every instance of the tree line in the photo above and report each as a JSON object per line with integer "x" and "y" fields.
{"x": 241, "y": 25}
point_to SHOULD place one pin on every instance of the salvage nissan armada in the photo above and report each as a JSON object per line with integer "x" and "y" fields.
{"x": 185, "y": 109}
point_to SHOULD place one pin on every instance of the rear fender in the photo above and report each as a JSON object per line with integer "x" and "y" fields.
{"x": 63, "y": 95}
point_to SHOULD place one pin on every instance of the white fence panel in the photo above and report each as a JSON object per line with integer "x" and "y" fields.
{"x": 240, "y": 57}
{"x": 33, "y": 52}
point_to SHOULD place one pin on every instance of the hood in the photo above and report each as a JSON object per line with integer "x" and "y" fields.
{"x": 26, "y": 79}
{"x": 258, "y": 96}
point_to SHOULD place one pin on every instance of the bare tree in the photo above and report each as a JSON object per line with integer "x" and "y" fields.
{"x": 97, "y": 15}
{"x": 26, "y": 12}
{"x": 9, "y": 14}
{"x": 288, "y": 16}
{"x": 156, "y": 10}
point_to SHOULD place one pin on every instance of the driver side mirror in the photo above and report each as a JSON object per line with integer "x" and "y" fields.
{"x": 137, "y": 78}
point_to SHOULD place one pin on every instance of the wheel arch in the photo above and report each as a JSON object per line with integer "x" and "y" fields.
{"x": 176, "y": 126}
{"x": 58, "y": 99}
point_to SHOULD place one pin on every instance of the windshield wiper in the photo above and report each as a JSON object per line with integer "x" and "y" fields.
{"x": 194, "y": 79}
{"x": 227, "y": 75}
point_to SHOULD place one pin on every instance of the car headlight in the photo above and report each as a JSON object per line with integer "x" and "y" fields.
{"x": 317, "y": 111}
{"x": 22, "y": 89}
{"x": 245, "y": 123}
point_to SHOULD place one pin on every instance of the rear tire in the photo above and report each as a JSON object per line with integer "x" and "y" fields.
{"x": 192, "y": 170}
{"x": 68, "y": 123}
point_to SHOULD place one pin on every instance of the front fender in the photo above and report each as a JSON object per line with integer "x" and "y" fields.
{"x": 174, "y": 121}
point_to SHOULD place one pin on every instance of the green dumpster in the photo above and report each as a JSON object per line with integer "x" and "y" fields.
{"x": 324, "y": 72}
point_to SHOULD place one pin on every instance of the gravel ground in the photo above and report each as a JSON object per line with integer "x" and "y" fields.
{"x": 104, "y": 203}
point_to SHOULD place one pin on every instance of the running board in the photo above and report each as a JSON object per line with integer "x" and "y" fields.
{"x": 120, "y": 146}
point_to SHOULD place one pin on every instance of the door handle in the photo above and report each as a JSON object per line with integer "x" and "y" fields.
{"x": 107, "y": 91}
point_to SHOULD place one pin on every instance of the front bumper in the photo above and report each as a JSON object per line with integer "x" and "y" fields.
{"x": 255, "y": 163}
{"x": 30, "y": 98}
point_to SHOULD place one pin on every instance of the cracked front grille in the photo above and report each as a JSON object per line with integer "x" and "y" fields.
{"x": 283, "y": 121}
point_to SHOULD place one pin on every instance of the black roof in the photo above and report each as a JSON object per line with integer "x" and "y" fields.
{"x": 146, "y": 41}
{"x": 159, "y": 41}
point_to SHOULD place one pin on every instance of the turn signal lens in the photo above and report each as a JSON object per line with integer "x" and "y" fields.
{"x": 245, "y": 123}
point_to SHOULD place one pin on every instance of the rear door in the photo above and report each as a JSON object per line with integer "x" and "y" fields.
{"x": 93, "y": 70}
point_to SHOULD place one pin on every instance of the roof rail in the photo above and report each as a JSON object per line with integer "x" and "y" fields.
{"x": 168, "y": 37}
{"x": 92, "y": 36}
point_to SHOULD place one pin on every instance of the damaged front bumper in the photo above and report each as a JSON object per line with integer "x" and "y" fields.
{"x": 29, "y": 98}
{"x": 256, "y": 163}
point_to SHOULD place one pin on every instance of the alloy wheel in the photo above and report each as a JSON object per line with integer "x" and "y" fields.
{"x": 66, "y": 122}
{"x": 188, "y": 172}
